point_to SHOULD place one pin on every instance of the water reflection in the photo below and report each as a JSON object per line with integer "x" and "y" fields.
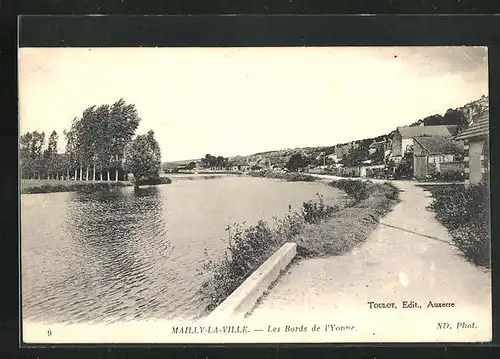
{"x": 126, "y": 254}
{"x": 112, "y": 270}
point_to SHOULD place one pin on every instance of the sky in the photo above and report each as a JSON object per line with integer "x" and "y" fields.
{"x": 239, "y": 101}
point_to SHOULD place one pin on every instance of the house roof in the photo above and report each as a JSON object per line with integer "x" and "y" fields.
{"x": 415, "y": 131}
{"x": 480, "y": 127}
{"x": 435, "y": 145}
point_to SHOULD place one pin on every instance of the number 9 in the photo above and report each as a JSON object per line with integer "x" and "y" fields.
{"x": 49, "y": 332}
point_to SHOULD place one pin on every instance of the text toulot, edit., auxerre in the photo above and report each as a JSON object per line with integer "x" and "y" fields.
{"x": 409, "y": 304}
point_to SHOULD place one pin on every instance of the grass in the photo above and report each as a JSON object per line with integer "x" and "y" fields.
{"x": 161, "y": 180}
{"x": 318, "y": 229}
{"x": 349, "y": 227}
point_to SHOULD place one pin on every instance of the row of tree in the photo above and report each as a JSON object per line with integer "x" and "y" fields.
{"x": 99, "y": 146}
{"x": 37, "y": 162}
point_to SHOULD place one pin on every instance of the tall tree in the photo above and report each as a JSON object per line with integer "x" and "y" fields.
{"x": 124, "y": 121}
{"x": 104, "y": 140}
{"x": 37, "y": 142}
{"x": 87, "y": 139}
{"x": 52, "y": 144}
{"x": 50, "y": 160}
{"x": 71, "y": 150}
{"x": 25, "y": 144}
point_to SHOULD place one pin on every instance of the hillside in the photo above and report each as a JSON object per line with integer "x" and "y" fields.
{"x": 354, "y": 151}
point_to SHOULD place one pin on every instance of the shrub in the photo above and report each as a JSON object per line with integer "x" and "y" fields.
{"x": 314, "y": 212}
{"x": 473, "y": 240}
{"x": 454, "y": 175}
{"x": 249, "y": 247}
{"x": 288, "y": 176}
{"x": 359, "y": 190}
{"x": 465, "y": 212}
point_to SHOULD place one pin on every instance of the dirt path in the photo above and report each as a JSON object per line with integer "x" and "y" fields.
{"x": 408, "y": 256}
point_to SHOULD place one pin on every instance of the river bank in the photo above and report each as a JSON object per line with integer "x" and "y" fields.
{"x": 287, "y": 176}
{"x": 52, "y": 186}
{"x": 319, "y": 229}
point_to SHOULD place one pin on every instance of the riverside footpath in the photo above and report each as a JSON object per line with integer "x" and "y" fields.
{"x": 408, "y": 257}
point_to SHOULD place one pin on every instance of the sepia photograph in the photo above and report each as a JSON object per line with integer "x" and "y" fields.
{"x": 254, "y": 195}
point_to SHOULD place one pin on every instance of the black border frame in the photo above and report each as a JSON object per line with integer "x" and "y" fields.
{"x": 286, "y": 30}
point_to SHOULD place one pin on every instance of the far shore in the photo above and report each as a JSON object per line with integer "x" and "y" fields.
{"x": 200, "y": 174}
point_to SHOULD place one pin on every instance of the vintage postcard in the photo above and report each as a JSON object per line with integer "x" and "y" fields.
{"x": 254, "y": 195}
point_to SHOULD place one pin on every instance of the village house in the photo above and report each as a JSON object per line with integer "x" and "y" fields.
{"x": 402, "y": 138}
{"x": 476, "y": 147}
{"x": 435, "y": 154}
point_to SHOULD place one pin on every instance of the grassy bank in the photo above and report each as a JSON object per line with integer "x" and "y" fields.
{"x": 49, "y": 186}
{"x": 287, "y": 176}
{"x": 317, "y": 228}
{"x": 161, "y": 180}
{"x": 465, "y": 212}
{"x": 347, "y": 228}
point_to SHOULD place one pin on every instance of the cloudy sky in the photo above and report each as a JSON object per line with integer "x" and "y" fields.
{"x": 229, "y": 101}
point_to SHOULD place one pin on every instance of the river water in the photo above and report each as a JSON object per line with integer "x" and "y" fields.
{"x": 128, "y": 254}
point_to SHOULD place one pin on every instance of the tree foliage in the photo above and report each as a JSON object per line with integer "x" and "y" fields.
{"x": 297, "y": 161}
{"x": 451, "y": 117}
{"x": 143, "y": 158}
{"x": 356, "y": 156}
{"x": 95, "y": 144}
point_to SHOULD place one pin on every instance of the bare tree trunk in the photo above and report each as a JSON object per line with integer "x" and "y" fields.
{"x": 57, "y": 176}
{"x": 39, "y": 176}
{"x": 93, "y": 173}
{"x": 100, "y": 173}
{"x": 87, "y": 174}
{"x": 116, "y": 171}
{"x": 81, "y": 173}
{"x": 108, "y": 175}
{"x": 67, "y": 173}
{"x": 76, "y": 176}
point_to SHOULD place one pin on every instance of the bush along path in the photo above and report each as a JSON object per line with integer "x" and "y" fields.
{"x": 465, "y": 212}
{"x": 408, "y": 256}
